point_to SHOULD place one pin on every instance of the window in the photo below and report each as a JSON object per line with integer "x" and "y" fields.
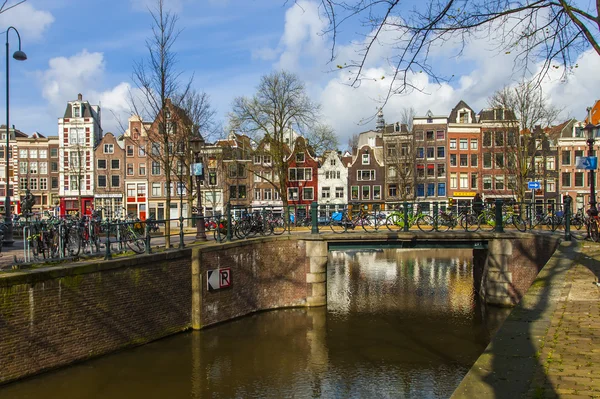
{"x": 156, "y": 192}
{"x": 566, "y": 158}
{"x": 43, "y": 168}
{"x": 487, "y": 160}
{"x": 300, "y": 157}
{"x": 109, "y": 148}
{"x": 142, "y": 151}
{"x": 578, "y": 179}
{"x": 473, "y": 180}
{"x": 499, "y": 160}
{"x": 391, "y": 150}
{"x": 23, "y": 154}
{"x": 453, "y": 144}
{"x": 77, "y": 136}
{"x": 141, "y": 190}
{"x": 332, "y": 162}
{"x": 74, "y": 183}
{"x": 499, "y": 182}
{"x": 453, "y": 180}
{"x": 101, "y": 180}
{"x": 354, "y": 193}
{"x": 420, "y": 152}
{"x": 431, "y": 170}
{"x": 474, "y": 144}
{"x": 212, "y": 177}
{"x": 441, "y": 152}
{"x": 464, "y": 159}
{"x": 237, "y": 170}
{"x": 129, "y": 169}
{"x": 257, "y": 159}
{"x": 33, "y": 183}
{"x": 308, "y": 193}
{"x": 43, "y": 183}
{"x": 499, "y": 139}
{"x": 392, "y": 190}
{"x": 53, "y": 152}
{"x": 155, "y": 168}
{"x": 487, "y": 182}
{"x": 33, "y": 167}
{"x": 23, "y": 183}
{"x": 33, "y": 154}
{"x": 464, "y": 180}
{"x": 23, "y": 167}
{"x": 429, "y": 136}
{"x": 142, "y": 169}
{"x": 326, "y": 192}
{"x": 366, "y": 159}
{"x": 420, "y": 190}
{"x": 392, "y": 172}
{"x": 420, "y": 170}
{"x": 300, "y": 174}
{"x": 293, "y": 193}
{"x": 257, "y": 194}
{"x": 76, "y": 111}
{"x": 115, "y": 181}
{"x": 550, "y": 186}
{"x": 463, "y": 117}
{"x": 268, "y": 194}
{"x": 129, "y": 150}
{"x": 566, "y": 179}
{"x": 366, "y": 192}
{"x": 131, "y": 190}
{"x": 155, "y": 149}
{"x": 550, "y": 163}
{"x": 441, "y": 170}
{"x": 487, "y": 139}
{"x": 367, "y": 174}
{"x": 115, "y": 163}
{"x": 473, "y": 160}
{"x": 452, "y": 159}
{"x": 430, "y": 189}
{"x": 440, "y": 135}
{"x": 511, "y": 139}
{"x": 419, "y": 135}
{"x": 511, "y": 182}
{"x": 404, "y": 150}
{"x": 464, "y": 144}
{"x": 441, "y": 189}
{"x": 339, "y": 192}
{"x": 430, "y": 152}
{"x": 267, "y": 160}
{"x": 53, "y": 166}
{"x": 54, "y": 182}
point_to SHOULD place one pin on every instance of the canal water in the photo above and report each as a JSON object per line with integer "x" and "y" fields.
{"x": 399, "y": 324}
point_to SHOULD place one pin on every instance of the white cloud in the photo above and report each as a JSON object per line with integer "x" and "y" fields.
{"x": 30, "y": 22}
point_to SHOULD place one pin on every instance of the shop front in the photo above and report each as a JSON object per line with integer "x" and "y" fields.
{"x": 109, "y": 206}
{"x": 136, "y": 200}
{"x": 71, "y": 206}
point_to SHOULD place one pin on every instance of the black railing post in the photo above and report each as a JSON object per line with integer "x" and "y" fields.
{"x": 314, "y": 207}
{"x": 435, "y": 215}
{"x": 181, "y": 243}
{"x": 107, "y": 254}
{"x": 567, "y": 216}
{"x": 405, "y": 216}
{"x": 147, "y": 239}
{"x": 529, "y": 214}
{"x": 499, "y": 225}
{"x": 228, "y": 209}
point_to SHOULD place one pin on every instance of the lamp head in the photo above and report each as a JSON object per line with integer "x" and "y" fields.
{"x": 589, "y": 131}
{"x": 20, "y": 55}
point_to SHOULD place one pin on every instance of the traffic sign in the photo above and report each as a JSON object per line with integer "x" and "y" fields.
{"x": 534, "y": 185}
{"x": 587, "y": 163}
{"x": 218, "y": 278}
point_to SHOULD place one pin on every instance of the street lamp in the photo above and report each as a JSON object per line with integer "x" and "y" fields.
{"x": 196, "y": 144}
{"x": 590, "y": 130}
{"x": 19, "y": 56}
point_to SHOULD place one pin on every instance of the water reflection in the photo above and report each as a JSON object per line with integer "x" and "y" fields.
{"x": 398, "y": 324}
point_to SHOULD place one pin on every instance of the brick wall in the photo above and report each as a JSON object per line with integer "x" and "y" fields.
{"x": 266, "y": 274}
{"x": 54, "y": 317}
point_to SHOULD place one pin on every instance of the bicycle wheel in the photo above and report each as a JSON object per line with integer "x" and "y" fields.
{"x": 486, "y": 222}
{"x": 594, "y": 234}
{"x": 469, "y": 222}
{"x": 73, "y": 242}
{"x": 367, "y": 224}
{"x": 277, "y": 225}
{"x": 220, "y": 234}
{"x": 135, "y": 242}
{"x": 394, "y": 222}
{"x": 577, "y": 222}
{"x": 519, "y": 223}
{"x": 425, "y": 223}
{"x": 339, "y": 226}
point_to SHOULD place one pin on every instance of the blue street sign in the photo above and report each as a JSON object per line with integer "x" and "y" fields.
{"x": 587, "y": 163}
{"x": 534, "y": 185}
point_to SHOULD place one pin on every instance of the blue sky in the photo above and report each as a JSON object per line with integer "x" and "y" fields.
{"x": 90, "y": 47}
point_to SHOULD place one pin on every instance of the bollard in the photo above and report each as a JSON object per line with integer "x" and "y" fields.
{"x": 499, "y": 226}
{"x": 567, "y": 216}
{"x": 107, "y": 254}
{"x": 148, "y": 248}
{"x": 313, "y": 215}
{"x": 405, "y": 216}
{"x": 181, "y": 243}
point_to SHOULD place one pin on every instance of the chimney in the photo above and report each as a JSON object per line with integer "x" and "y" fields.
{"x": 79, "y": 97}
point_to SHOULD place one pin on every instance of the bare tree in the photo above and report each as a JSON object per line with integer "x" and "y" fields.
{"x": 554, "y": 31}
{"x": 323, "y": 138}
{"x": 7, "y": 6}
{"x": 353, "y": 141}
{"x": 279, "y": 109}
{"x": 160, "y": 93}
{"x": 526, "y": 114}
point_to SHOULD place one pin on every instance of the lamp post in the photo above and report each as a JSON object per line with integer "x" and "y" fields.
{"x": 196, "y": 143}
{"x": 19, "y": 56}
{"x": 590, "y": 130}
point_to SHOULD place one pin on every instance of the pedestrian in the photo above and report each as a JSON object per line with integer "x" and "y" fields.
{"x": 592, "y": 212}
{"x": 477, "y": 204}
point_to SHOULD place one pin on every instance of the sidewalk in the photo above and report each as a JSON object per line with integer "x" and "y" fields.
{"x": 549, "y": 346}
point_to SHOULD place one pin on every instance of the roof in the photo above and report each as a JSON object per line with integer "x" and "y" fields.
{"x": 17, "y": 132}
{"x": 454, "y": 113}
{"x": 489, "y": 114}
{"x": 87, "y": 110}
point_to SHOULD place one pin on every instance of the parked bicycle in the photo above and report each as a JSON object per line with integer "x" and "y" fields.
{"x": 342, "y": 221}
{"x": 487, "y": 219}
{"x": 395, "y": 220}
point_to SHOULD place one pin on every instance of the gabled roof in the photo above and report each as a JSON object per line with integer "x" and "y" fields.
{"x": 461, "y": 105}
{"x": 490, "y": 114}
{"x": 86, "y": 108}
{"x": 17, "y": 132}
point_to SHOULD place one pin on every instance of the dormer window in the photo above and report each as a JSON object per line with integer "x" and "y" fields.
{"x": 463, "y": 117}
{"x": 499, "y": 114}
{"x": 76, "y": 111}
{"x": 300, "y": 157}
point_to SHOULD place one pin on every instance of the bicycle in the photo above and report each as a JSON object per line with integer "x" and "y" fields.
{"x": 395, "y": 220}
{"x": 447, "y": 221}
{"x": 342, "y": 221}
{"x": 487, "y": 219}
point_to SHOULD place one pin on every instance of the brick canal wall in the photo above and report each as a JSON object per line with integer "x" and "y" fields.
{"x": 56, "y": 316}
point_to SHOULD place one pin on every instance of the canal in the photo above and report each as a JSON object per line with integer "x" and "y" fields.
{"x": 399, "y": 324}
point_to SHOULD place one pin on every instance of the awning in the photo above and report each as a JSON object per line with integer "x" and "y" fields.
{"x": 431, "y": 166}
